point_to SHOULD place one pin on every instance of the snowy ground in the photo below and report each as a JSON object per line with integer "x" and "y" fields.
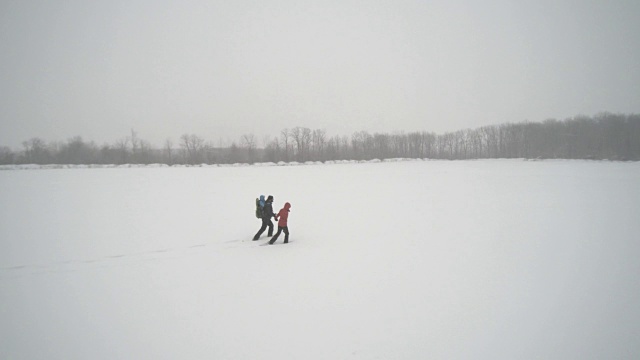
{"x": 502, "y": 259}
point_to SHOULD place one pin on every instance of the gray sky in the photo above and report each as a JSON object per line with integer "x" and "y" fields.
{"x": 220, "y": 69}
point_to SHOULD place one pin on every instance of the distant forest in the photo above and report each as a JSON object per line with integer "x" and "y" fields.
{"x": 604, "y": 136}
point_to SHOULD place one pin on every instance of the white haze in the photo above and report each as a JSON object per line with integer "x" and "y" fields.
{"x": 221, "y": 69}
{"x": 396, "y": 260}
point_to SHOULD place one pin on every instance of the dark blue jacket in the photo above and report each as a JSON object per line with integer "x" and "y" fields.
{"x": 267, "y": 211}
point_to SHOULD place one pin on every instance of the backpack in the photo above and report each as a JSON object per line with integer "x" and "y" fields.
{"x": 259, "y": 209}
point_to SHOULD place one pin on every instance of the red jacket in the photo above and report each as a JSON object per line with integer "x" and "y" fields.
{"x": 283, "y": 214}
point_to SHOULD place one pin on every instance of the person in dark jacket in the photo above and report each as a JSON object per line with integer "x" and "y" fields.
{"x": 283, "y": 214}
{"x": 267, "y": 214}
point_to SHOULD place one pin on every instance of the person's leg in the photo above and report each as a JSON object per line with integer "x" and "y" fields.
{"x": 286, "y": 234}
{"x": 262, "y": 228}
{"x": 275, "y": 237}
{"x": 270, "y": 233}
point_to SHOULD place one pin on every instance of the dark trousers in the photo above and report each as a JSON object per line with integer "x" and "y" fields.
{"x": 265, "y": 222}
{"x": 286, "y": 234}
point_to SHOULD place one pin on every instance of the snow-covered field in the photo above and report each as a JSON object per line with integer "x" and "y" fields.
{"x": 501, "y": 259}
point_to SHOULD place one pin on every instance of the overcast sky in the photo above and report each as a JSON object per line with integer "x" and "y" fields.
{"x": 220, "y": 69}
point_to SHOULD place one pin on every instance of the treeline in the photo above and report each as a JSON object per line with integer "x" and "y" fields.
{"x": 604, "y": 136}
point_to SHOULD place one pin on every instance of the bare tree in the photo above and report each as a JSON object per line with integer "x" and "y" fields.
{"x": 266, "y": 140}
{"x": 332, "y": 149}
{"x": 135, "y": 147}
{"x": 381, "y": 146}
{"x": 122, "y": 148}
{"x": 605, "y": 136}
{"x": 145, "y": 152}
{"x": 318, "y": 141}
{"x": 36, "y": 151}
{"x": 272, "y": 150}
{"x": 235, "y": 154}
{"x": 168, "y": 152}
{"x": 302, "y": 141}
{"x": 429, "y": 141}
{"x": 362, "y": 145}
{"x": 76, "y": 151}
{"x": 7, "y": 156}
{"x": 192, "y": 147}
{"x": 284, "y": 136}
{"x": 248, "y": 142}
{"x": 296, "y": 135}
{"x": 306, "y": 143}
{"x": 490, "y": 136}
{"x": 210, "y": 154}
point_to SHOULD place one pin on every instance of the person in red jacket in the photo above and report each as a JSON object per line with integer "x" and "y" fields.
{"x": 283, "y": 214}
